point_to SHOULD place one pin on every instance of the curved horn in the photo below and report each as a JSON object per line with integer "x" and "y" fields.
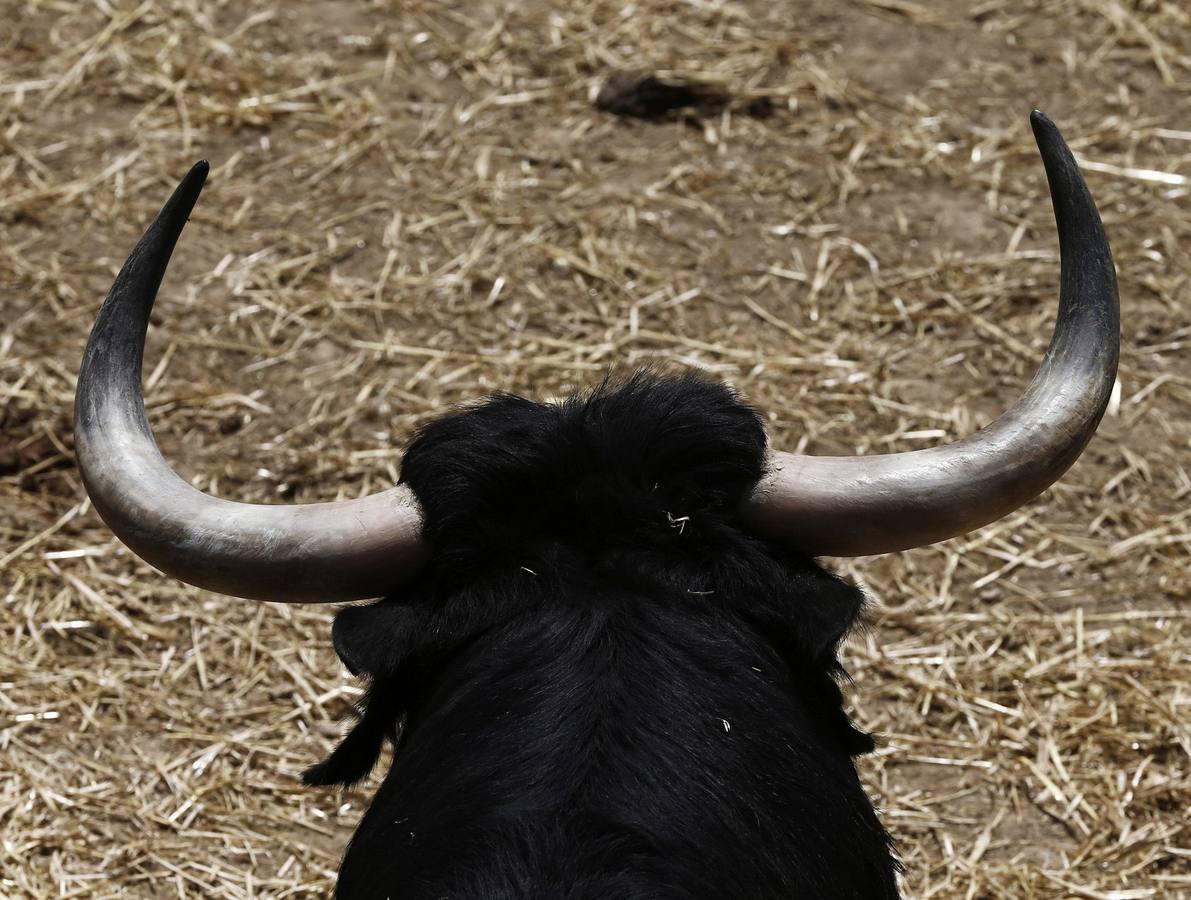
{"x": 315, "y": 552}
{"x": 861, "y": 505}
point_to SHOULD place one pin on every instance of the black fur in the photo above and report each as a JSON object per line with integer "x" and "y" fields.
{"x": 602, "y": 686}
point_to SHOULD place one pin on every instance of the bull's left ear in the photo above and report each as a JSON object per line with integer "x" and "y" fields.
{"x": 375, "y": 640}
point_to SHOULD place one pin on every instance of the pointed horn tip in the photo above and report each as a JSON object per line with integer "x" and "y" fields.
{"x": 196, "y": 177}
{"x": 192, "y": 183}
{"x": 1039, "y": 119}
{"x": 1048, "y": 137}
{"x": 177, "y": 210}
{"x": 1046, "y": 132}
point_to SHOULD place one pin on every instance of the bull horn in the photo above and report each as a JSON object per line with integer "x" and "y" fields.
{"x": 861, "y": 505}
{"x": 305, "y": 553}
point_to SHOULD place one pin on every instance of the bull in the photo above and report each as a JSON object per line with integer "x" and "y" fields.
{"x": 606, "y": 657}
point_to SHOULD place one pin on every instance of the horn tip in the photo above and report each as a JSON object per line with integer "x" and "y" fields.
{"x": 177, "y": 209}
{"x": 1046, "y": 132}
{"x": 196, "y": 177}
{"x": 1048, "y": 137}
{"x": 1039, "y": 119}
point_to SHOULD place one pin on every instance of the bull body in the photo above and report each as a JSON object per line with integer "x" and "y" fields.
{"x": 600, "y": 685}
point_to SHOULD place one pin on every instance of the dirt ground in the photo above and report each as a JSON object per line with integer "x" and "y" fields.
{"x": 414, "y": 203}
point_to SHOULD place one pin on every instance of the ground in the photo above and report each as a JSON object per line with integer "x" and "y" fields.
{"x": 414, "y": 203}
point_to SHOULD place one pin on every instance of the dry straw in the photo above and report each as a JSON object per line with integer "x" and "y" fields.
{"x": 415, "y": 203}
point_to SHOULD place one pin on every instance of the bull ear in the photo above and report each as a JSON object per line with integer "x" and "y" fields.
{"x": 828, "y": 608}
{"x": 358, "y": 752}
{"x": 374, "y": 641}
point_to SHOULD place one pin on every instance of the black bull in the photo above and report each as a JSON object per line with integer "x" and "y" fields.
{"x": 608, "y": 687}
{"x": 606, "y": 657}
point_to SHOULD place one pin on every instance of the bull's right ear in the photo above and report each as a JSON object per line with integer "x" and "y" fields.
{"x": 829, "y": 609}
{"x": 375, "y": 640}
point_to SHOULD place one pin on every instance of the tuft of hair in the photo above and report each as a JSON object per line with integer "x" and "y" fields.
{"x": 647, "y": 460}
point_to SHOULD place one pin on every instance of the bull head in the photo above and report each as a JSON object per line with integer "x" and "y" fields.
{"x": 833, "y": 506}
